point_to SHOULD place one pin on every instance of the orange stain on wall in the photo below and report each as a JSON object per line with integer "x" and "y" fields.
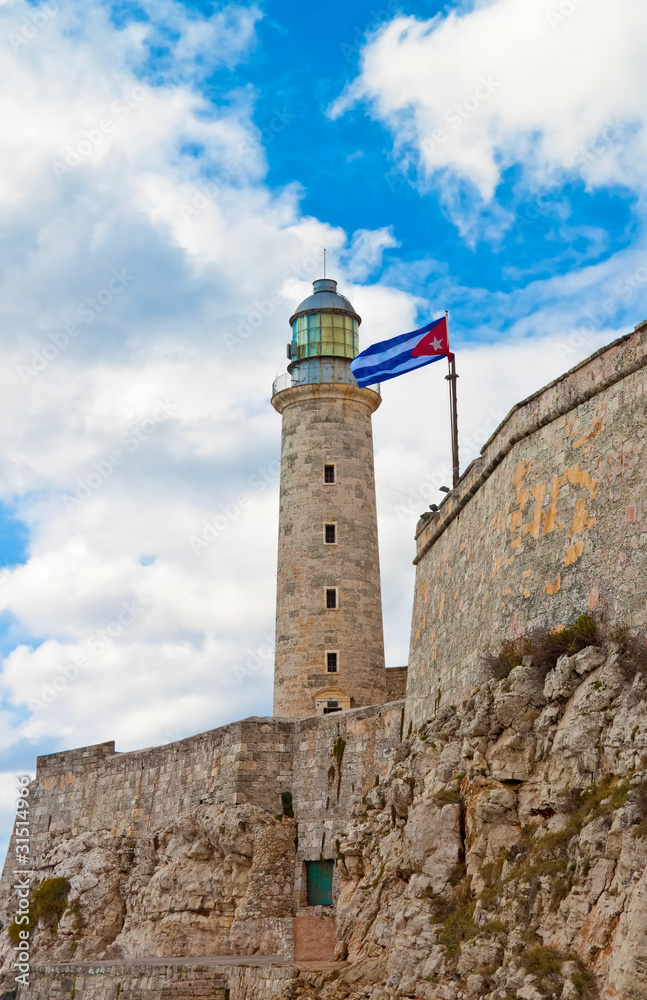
{"x": 581, "y": 519}
{"x": 574, "y": 552}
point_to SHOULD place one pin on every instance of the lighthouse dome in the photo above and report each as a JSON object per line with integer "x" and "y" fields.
{"x": 325, "y": 296}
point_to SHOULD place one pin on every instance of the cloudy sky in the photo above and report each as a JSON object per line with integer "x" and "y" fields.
{"x": 171, "y": 172}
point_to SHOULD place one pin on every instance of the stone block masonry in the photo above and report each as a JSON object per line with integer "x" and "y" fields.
{"x": 327, "y": 424}
{"x": 203, "y": 847}
{"x": 337, "y": 760}
{"x": 133, "y": 981}
{"x": 249, "y": 761}
{"x": 396, "y": 683}
{"x": 549, "y": 523}
{"x": 189, "y": 849}
{"x": 177, "y": 819}
{"x": 211, "y": 979}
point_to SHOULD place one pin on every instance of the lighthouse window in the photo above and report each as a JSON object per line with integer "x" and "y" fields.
{"x": 331, "y": 662}
{"x": 329, "y": 473}
{"x": 330, "y": 534}
{"x": 331, "y": 597}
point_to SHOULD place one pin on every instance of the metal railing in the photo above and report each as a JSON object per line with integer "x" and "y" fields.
{"x": 282, "y": 382}
{"x": 286, "y": 381}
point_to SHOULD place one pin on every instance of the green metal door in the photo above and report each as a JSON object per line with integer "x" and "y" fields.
{"x": 319, "y": 875}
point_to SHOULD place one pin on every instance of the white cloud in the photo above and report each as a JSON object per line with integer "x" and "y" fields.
{"x": 197, "y": 43}
{"x": 175, "y": 195}
{"x": 366, "y": 252}
{"x": 171, "y": 196}
{"x": 556, "y": 87}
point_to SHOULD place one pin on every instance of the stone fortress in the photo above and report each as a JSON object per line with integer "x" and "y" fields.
{"x": 220, "y": 865}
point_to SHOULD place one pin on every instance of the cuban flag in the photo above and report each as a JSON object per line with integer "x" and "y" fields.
{"x": 402, "y": 354}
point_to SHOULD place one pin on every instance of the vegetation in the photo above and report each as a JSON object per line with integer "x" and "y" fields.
{"x": 583, "y": 980}
{"x": 13, "y": 930}
{"x": 447, "y": 795}
{"x": 455, "y": 912}
{"x": 548, "y": 854}
{"x": 491, "y": 875}
{"x": 542, "y": 961}
{"x": 633, "y": 653}
{"x": 458, "y": 926}
{"x": 49, "y": 901}
{"x": 47, "y": 904}
{"x": 544, "y": 647}
{"x": 545, "y": 963}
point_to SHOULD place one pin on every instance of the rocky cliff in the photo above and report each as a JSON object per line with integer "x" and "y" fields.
{"x": 502, "y": 856}
{"x": 219, "y": 881}
{"x": 505, "y": 855}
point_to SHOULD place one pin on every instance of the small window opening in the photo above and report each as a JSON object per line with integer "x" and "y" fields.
{"x": 319, "y": 882}
{"x": 331, "y": 662}
{"x": 329, "y": 473}
{"x": 331, "y": 534}
{"x": 332, "y": 706}
{"x": 331, "y": 597}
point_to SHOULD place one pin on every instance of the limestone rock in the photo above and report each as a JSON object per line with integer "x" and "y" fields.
{"x": 518, "y": 698}
{"x": 499, "y": 856}
{"x": 546, "y": 849}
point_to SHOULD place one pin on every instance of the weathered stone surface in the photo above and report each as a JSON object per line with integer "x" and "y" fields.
{"x": 551, "y": 525}
{"x": 327, "y": 424}
{"x": 499, "y": 850}
{"x": 183, "y": 850}
{"x": 484, "y": 862}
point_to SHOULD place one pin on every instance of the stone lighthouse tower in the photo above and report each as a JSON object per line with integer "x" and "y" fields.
{"x": 329, "y": 635}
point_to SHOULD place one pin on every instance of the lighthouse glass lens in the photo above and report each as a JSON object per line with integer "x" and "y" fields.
{"x": 324, "y": 334}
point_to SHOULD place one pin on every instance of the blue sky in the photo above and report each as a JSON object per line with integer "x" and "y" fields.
{"x": 172, "y": 171}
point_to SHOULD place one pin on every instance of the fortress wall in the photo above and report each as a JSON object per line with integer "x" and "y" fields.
{"x": 140, "y": 981}
{"x": 251, "y": 761}
{"x": 396, "y": 683}
{"x": 336, "y": 760}
{"x": 92, "y": 788}
{"x": 327, "y": 762}
{"x": 128, "y": 794}
{"x": 549, "y": 523}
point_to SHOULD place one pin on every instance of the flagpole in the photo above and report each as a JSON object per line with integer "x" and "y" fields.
{"x": 451, "y": 377}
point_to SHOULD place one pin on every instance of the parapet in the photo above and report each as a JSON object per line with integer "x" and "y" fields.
{"x": 396, "y": 683}
{"x": 66, "y": 760}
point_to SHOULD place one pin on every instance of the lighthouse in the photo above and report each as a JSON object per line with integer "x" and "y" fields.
{"x": 329, "y": 635}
